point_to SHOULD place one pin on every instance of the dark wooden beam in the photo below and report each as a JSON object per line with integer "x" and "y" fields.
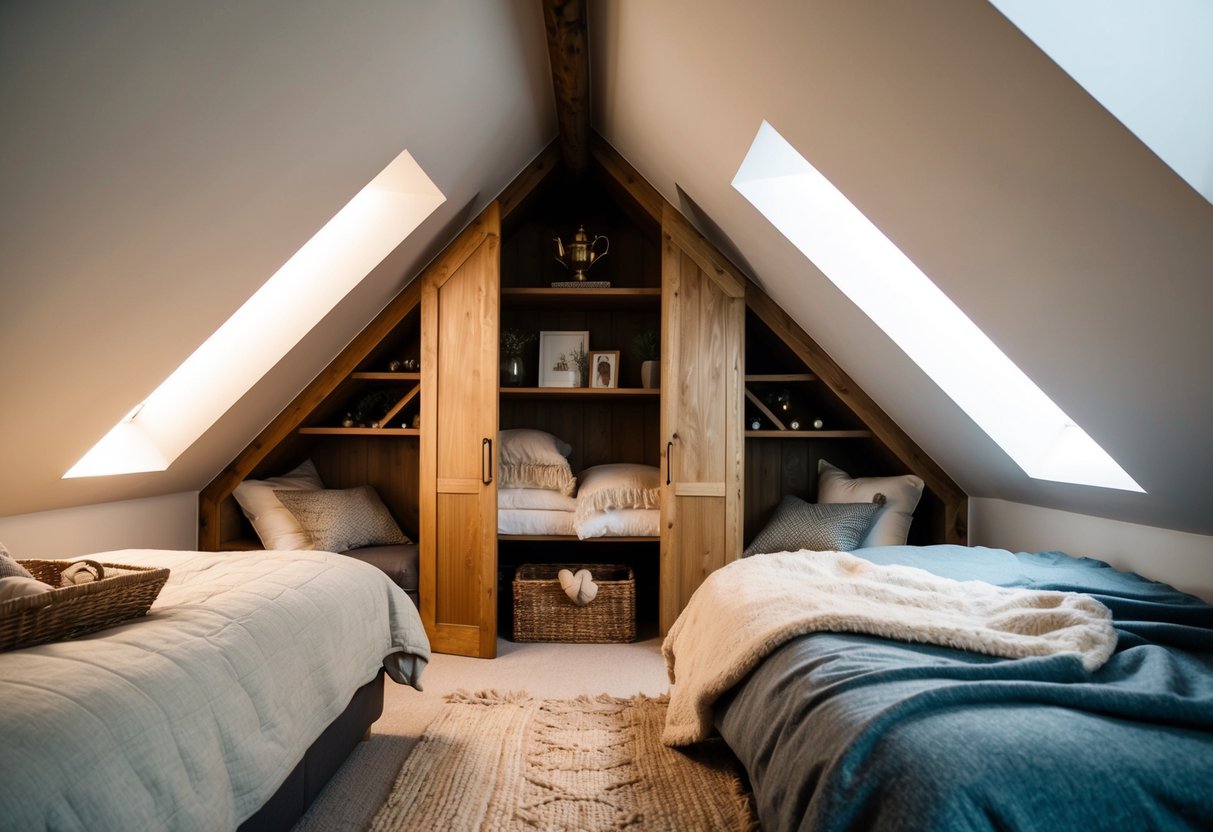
{"x": 569, "y": 53}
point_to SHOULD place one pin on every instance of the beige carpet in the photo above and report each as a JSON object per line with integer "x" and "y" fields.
{"x": 549, "y": 671}
{"x": 513, "y": 762}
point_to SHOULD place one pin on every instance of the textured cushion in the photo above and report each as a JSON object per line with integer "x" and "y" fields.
{"x": 615, "y": 486}
{"x": 892, "y": 524}
{"x": 534, "y": 459}
{"x": 341, "y": 519}
{"x": 798, "y": 525}
{"x": 277, "y": 527}
{"x": 539, "y": 499}
{"x": 9, "y": 568}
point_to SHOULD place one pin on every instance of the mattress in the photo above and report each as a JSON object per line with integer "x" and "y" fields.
{"x": 850, "y": 732}
{"x": 192, "y": 716}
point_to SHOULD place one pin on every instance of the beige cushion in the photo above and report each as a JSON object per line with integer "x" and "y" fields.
{"x": 616, "y": 486}
{"x": 342, "y": 519}
{"x": 892, "y": 524}
{"x": 534, "y": 459}
{"x": 277, "y": 527}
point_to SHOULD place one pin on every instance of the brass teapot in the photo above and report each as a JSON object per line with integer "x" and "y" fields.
{"x": 580, "y": 254}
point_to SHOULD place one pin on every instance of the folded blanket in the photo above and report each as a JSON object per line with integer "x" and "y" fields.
{"x": 742, "y": 612}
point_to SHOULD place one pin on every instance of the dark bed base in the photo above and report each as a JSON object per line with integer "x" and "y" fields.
{"x": 320, "y": 762}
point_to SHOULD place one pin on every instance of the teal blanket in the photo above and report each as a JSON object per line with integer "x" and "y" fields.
{"x": 847, "y": 732}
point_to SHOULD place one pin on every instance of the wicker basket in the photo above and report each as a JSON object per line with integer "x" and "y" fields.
{"x": 542, "y": 612}
{"x": 67, "y": 612}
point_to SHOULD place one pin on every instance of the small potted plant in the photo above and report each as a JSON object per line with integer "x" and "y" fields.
{"x": 647, "y": 347}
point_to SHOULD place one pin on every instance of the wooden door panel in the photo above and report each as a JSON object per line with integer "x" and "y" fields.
{"x": 459, "y": 326}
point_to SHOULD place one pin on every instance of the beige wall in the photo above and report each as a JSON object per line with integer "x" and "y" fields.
{"x": 1183, "y": 560}
{"x": 168, "y": 522}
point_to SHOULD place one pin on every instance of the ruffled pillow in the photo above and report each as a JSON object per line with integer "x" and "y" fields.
{"x": 534, "y": 499}
{"x": 534, "y": 459}
{"x": 274, "y": 524}
{"x": 617, "y": 485}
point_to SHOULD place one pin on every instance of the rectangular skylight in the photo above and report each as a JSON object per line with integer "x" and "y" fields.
{"x": 870, "y": 270}
{"x": 307, "y": 287}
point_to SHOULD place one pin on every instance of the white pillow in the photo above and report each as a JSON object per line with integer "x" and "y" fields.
{"x": 623, "y": 522}
{"x": 534, "y": 521}
{"x": 277, "y": 527}
{"x": 892, "y": 524}
{"x": 539, "y": 499}
{"x": 618, "y": 485}
{"x": 534, "y": 459}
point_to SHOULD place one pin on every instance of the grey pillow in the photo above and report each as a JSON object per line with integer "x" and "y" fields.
{"x": 818, "y": 527}
{"x": 341, "y": 519}
{"x": 9, "y": 568}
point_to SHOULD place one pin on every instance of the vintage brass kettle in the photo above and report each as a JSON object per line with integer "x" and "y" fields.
{"x": 580, "y": 254}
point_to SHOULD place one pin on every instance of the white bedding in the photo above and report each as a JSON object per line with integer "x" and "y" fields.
{"x": 191, "y": 717}
{"x": 534, "y": 521}
{"x": 621, "y": 522}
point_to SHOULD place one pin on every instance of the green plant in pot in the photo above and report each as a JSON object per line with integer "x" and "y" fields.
{"x": 647, "y": 347}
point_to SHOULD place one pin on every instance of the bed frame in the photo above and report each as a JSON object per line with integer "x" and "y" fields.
{"x": 321, "y": 761}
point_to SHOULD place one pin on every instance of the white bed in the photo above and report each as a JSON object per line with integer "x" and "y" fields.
{"x": 192, "y": 717}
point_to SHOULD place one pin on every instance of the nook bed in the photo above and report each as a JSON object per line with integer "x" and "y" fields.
{"x": 846, "y": 730}
{"x": 230, "y": 703}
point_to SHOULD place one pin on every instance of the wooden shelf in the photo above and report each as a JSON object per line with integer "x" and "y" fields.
{"x": 582, "y": 392}
{"x": 809, "y": 434}
{"x": 615, "y": 298}
{"x": 777, "y": 377}
{"x": 386, "y": 376}
{"x": 361, "y": 431}
{"x": 539, "y": 538}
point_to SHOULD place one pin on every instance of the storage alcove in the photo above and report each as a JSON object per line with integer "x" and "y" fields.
{"x": 620, "y": 424}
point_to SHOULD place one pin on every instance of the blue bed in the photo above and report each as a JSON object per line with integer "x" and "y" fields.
{"x": 850, "y": 732}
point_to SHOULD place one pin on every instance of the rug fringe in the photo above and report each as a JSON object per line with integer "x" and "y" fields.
{"x": 488, "y": 697}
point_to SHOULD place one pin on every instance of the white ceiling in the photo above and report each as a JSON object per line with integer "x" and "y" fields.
{"x": 161, "y": 160}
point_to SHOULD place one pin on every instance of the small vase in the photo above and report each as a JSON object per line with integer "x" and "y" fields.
{"x": 650, "y": 374}
{"x": 513, "y": 371}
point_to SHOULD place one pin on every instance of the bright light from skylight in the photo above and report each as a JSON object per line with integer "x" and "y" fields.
{"x": 870, "y": 270}
{"x": 268, "y": 325}
{"x": 1149, "y": 64}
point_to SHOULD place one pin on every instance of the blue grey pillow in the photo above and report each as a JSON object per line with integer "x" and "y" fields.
{"x": 9, "y": 568}
{"x": 817, "y": 527}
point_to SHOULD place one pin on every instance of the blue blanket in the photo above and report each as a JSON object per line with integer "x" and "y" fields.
{"x": 847, "y": 732}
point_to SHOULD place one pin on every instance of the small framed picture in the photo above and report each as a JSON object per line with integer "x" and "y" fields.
{"x": 562, "y": 357}
{"x": 604, "y": 368}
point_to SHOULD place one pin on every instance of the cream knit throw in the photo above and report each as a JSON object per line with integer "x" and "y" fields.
{"x": 742, "y": 612}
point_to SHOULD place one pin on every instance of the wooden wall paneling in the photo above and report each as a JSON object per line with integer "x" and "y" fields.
{"x": 459, "y": 399}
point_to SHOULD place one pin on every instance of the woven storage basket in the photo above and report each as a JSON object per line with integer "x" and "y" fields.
{"x": 67, "y": 612}
{"x": 542, "y": 612}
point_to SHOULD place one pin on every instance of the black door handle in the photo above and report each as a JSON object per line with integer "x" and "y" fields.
{"x": 486, "y": 478}
{"x": 669, "y": 460}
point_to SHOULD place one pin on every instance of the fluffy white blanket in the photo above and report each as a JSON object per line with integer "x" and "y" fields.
{"x": 742, "y": 612}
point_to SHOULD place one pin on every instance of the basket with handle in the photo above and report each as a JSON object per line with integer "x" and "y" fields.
{"x": 120, "y": 592}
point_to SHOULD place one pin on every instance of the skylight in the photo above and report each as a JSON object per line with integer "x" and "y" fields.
{"x": 307, "y": 287}
{"x": 870, "y": 270}
{"x": 1149, "y": 64}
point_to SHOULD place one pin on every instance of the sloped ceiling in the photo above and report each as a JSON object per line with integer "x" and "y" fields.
{"x": 161, "y": 160}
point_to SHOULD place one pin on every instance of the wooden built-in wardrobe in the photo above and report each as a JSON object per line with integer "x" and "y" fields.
{"x": 726, "y": 349}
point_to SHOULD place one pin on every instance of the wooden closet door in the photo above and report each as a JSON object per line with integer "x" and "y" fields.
{"x": 702, "y": 375}
{"x": 459, "y": 322}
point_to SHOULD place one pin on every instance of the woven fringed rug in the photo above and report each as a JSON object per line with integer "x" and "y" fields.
{"x": 510, "y": 762}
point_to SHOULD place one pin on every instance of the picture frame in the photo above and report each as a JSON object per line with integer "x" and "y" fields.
{"x": 558, "y": 353}
{"x": 604, "y": 369}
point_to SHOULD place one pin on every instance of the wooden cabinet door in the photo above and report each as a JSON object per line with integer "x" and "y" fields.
{"x": 702, "y": 373}
{"x": 460, "y": 297}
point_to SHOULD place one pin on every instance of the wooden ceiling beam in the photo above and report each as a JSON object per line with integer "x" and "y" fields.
{"x": 569, "y": 53}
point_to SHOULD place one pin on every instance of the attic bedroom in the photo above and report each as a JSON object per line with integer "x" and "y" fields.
{"x": 589, "y": 415}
